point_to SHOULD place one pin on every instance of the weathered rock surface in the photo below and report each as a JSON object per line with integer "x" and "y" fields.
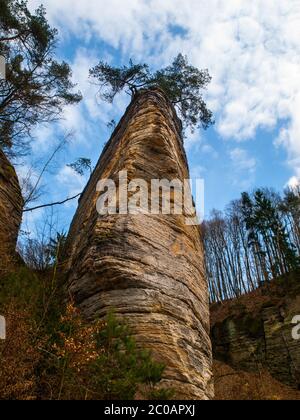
{"x": 250, "y": 339}
{"x": 149, "y": 269}
{"x": 11, "y": 206}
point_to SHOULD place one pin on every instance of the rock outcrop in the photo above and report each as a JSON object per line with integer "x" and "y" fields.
{"x": 256, "y": 331}
{"x": 148, "y": 268}
{"x": 11, "y": 206}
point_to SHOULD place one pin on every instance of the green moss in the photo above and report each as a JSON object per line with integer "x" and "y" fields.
{"x": 10, "y": 170}
{"x": 23, "y": 286}
{"x": 33, "y": 292}
{"x": 252, "y": 326}
{"x": 230, "y": 326}
{"x": 7, "y": 169}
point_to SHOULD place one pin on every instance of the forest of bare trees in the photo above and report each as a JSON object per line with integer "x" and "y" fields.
{"x": 256, "y": 240}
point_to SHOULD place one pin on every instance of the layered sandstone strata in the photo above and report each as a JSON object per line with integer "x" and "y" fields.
{"x": 148, "y": 268}
{"x": 11, "y": 206}
{"x": 259, "y": 336}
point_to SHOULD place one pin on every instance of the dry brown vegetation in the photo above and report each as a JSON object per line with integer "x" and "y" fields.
{"x": 252, "y": 303}
{"x": 51, "y": 353}
{"x": 18, "y": 357}
{"x": 6, "y": 261}
{"x": 32, "y": 367}
{"x": 231, "y": 384}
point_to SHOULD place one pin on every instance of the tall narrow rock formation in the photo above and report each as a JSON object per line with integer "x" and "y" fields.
{"x": 149, "y": 269}
{"x": 11, "y": 206}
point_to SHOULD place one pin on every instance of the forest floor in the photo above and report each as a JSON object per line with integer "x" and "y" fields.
{"x": 22, "y": 299}
{"x": 231, "y": 384}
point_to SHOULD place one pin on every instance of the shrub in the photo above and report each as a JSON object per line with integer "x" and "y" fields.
{"x": 52, "y": 353}
{"x": 100, "y": 360}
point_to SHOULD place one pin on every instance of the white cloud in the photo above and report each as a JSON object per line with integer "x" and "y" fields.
{"x": 293, "y": 183}
{"x": 72, "y": 182}
{"x": 251, "y": 49}
{"x": 242, "y": 161}
{"x": 92, "y": 111}
{"x": 243, "y": 167}
{"x": 209, "y": 150}
{"x": 197, "y": 172}
{"x": 193, "y": 139}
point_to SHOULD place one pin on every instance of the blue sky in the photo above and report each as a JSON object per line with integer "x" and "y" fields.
{"x": 252, "y": 52}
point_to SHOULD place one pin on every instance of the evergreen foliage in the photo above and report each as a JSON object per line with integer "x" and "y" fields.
{"x": 255, "y": 241}
{"x": 181, "y": 82}
{"x": 37, "y": 86}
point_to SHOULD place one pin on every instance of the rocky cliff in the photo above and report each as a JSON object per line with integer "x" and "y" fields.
{"x": 149, "y": 269}
{"x": 11, "y": 206}
{"x": 255, "y": 332}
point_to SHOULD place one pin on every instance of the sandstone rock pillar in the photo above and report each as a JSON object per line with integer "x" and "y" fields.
{"x": 11, "y": 206}
{"x": 149, "y": 269}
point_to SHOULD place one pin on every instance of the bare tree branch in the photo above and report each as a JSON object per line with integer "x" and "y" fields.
{"x": 57, "y": 203}
{"x": 61, "y": 144}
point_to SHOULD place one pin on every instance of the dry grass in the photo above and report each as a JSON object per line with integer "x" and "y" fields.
{"x": 237, "y": 385}
{"x": 274, "y": 293}
{"x": 18, "y": 357}
{"x": 6, "y": 260}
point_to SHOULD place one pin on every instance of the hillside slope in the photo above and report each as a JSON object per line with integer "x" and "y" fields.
{"x": 254, "y": 332}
